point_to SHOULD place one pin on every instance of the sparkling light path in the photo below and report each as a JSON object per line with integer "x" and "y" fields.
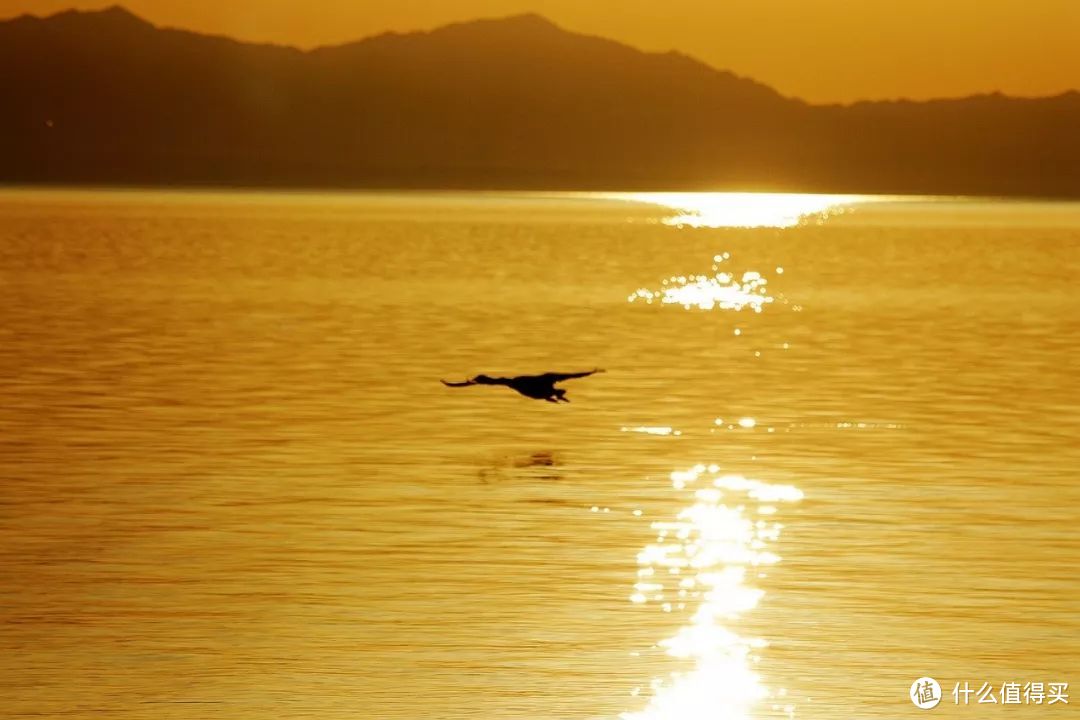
{"x": 705, "y": 562}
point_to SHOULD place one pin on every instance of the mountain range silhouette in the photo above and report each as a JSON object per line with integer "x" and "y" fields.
{"x": 105, "y": 97}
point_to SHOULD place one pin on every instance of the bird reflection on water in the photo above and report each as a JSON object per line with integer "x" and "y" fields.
{"x": 538, "y": 465}
{"x": 704, "y": 564}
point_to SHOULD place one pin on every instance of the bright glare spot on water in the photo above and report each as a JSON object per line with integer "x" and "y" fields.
{"x": 722, "y": 290}
{"x": 657, "y": 430}
{"x": 747, "y": 422}
{"x": 743, "y": 210}
{"x": 718, "y": 546}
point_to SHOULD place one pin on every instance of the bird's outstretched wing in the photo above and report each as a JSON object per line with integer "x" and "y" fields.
{"x": 559, "y": 377}
{"x": 460, "y": 384}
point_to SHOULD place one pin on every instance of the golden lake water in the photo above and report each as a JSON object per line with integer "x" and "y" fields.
{"x": 835, "y": 450}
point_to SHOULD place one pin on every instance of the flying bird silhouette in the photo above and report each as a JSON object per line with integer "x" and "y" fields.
{"x": 538, "y": 387}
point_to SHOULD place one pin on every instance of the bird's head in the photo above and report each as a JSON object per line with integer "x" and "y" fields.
{"x": 484, "y": 380}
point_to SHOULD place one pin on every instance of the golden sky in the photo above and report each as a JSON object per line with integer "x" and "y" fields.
{"x": 821, "y": 50}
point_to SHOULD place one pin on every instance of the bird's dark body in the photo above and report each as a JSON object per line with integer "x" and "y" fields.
{"x": 537, "y": 387}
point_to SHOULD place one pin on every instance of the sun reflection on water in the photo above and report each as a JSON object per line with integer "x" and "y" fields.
{"x": 724, "y": 290}
{"x": 744, "y": 210}
{"x": 704, "y": 563}
{"x": 653, "y": 430}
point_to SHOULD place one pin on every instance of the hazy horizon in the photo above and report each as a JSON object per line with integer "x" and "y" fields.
{"x": 925, "y": 52}
{"x": 512, "y": 103}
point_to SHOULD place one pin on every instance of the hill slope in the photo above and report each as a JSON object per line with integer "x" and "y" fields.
{"x": 105, "y": 97}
